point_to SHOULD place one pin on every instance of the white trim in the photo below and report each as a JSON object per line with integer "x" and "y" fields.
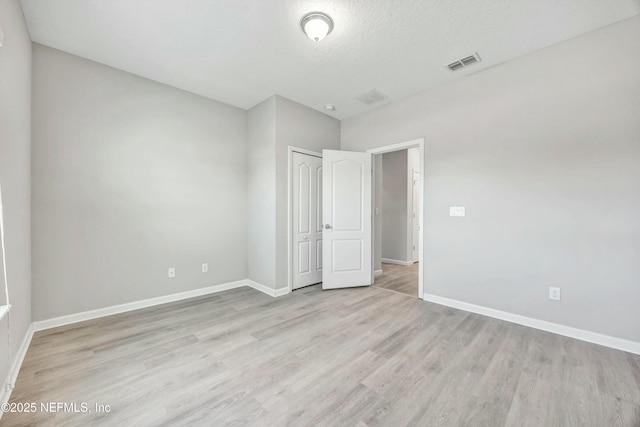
{"x": 136, "y": 305}
{"x": 397, "y": 147}
{"x": 292, "y": 150}
{"x": 12, "y": 375}
{"x": 4, "y": 310}
{"x": 403, "y": 146}
{"x": 415, "y": 254}
{"x": 409, "y": 221}
{"x": 377, "y": 273}
{"x": 567, "y": 331}
{"x": 397, "y": 261}
{"x": 281, "y": 292}
{"x": 40, "y": 325}
{"x": 304, "y": 151}
{"x": 267, "y": 290}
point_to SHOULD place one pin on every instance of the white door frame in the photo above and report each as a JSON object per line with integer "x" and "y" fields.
{"x": 412, "y": 220}
{"x": 291, "y": 150}
{"x": 397, "y": 147}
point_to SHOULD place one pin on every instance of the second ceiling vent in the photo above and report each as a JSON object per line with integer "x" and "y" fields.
{"x": 371, "y": 97}
{"x": 464, "y": 62}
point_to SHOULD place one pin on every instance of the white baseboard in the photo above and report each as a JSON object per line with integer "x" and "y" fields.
{"x": 14, "y": 369}
{"x": 136, "y": 305}
{"x": 267, "y": 290}
{"x": 397, "y": 261}
{"x": 116, "y": 309}
{"x": 4, "y": 310}
{"x": 377, "y": 273}
{"x": 567, "y": 331}
{"x": 280, "y": 292}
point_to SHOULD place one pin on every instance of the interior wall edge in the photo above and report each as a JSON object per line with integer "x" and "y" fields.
{"x": 5, "y": 394}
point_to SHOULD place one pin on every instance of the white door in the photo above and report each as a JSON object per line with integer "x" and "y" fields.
{"x": 307, "y": 220}
{"x": 416, "y": 216}
{"x": 346, "y": 216}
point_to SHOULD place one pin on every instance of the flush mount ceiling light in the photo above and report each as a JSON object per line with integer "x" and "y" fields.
{"x": 316, "y": 25}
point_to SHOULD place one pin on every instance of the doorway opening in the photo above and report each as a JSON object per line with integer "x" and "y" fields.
{"x": 397, "y": 217}
{"x": 305, "y": 218}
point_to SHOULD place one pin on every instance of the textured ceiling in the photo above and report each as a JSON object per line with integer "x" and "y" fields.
{"x": 242, "y": 51}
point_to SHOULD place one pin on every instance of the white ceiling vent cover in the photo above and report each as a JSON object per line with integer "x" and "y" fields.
{"x": 464, "y": 62}
{"x": 371, "y": 97}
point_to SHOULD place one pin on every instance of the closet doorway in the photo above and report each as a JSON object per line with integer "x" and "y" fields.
{"x": 306, "y": 218}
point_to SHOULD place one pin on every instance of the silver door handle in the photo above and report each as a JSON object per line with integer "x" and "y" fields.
{"x": 327, "y": 226}
{"x": 305, "y": 238}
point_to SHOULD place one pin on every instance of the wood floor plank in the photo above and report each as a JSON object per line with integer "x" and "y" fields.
{"x": 399, "y": 278}
{"x": 356, "y": 357}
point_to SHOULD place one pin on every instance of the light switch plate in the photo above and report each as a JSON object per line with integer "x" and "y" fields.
{"x": 456, "y": 211}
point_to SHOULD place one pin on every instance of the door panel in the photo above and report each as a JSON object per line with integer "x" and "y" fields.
{"x": 347, "y": 219}
{"x": 347, "y": 255}
{"x": 347, "y": 191}
{"x": 319, "y": 198}
{"x": 304, "y": 258}
{"x": 307, "y": 227}
{"x": 319, "y": 255}
{"x": 304, "y": 180}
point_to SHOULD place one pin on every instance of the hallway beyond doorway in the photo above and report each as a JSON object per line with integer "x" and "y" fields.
{"x": 399, "y": 278}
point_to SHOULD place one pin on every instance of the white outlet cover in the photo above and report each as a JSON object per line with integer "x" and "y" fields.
{"x": 457, "y": 211}
{"x": 171, "y": 272}
{"x": 205, "y": 267}
{"x": 554, "y": 293}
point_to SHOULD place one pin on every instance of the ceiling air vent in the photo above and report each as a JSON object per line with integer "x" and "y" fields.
{"x": 455, "y": 65}
{"x": 464, "y": 62}
{"x": 371, "y": 97}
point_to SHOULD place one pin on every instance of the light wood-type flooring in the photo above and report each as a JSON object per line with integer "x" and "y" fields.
{"x": 399, "y": 278}
{"x": 355, "y": 357}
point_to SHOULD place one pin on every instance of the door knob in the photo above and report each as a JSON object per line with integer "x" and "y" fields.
{"x": 327, "y": 226}
{"x": 305, "y": 238}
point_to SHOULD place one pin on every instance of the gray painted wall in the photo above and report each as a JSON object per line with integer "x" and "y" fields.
{"x": 544, "y": 152}
{"x": 261, "y": 193}
{"x": 130, "y": 177}
{"x": 15, "y": 174}
{"x": 394, "y": 206}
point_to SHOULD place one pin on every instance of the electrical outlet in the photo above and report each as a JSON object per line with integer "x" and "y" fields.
{"x": 172, "y": 272}
{"x": 205, "y": 267}
{"x": 554, "y": 293}
{"x": 457, "y": 211}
